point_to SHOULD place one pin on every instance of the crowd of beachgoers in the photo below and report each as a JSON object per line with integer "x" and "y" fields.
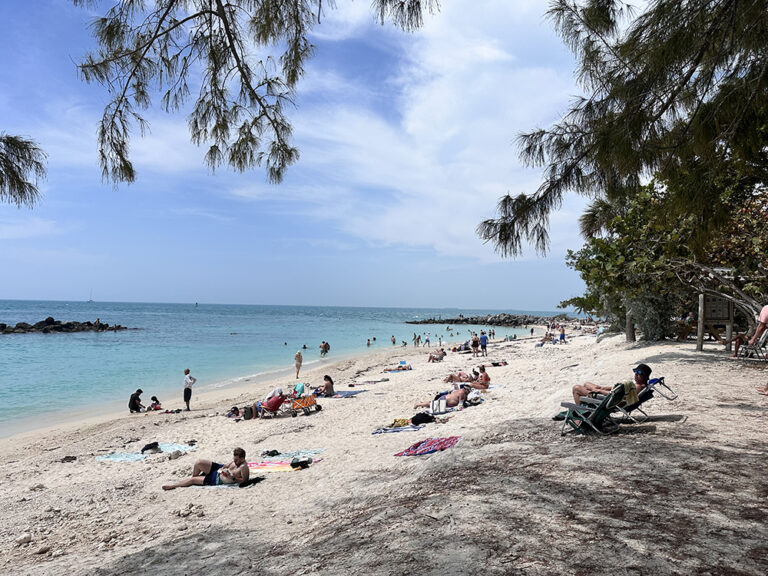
{"x": 449, "y": 448}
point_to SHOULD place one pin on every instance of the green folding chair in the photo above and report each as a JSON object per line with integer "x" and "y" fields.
{"x": 584, "y": 418}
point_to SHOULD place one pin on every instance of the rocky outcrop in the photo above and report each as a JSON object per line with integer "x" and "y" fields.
{"x": 495, "y": 320}
{"x": 50, "y": 325}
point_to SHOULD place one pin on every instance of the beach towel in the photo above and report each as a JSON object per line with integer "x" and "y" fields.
{"x": 121, "y": 457}
{"x": 136, "y": 456}
{"x": 310, "y": 453}
{"x": 429, "y": 446}
{"x": 282, "y": 465}
{"x": 630, "y": 393}
{"x": 347, "y": 393}
{"x": 407, "y": 428}
{"x": 270, "y": 466}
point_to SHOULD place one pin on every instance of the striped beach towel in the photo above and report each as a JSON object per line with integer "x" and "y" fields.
{"x": 429, "y": 446}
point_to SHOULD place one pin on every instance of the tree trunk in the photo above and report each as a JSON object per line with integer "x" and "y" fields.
{"x": 630, "y": 328}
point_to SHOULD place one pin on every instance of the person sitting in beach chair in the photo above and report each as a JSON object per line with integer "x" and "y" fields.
{"x": 452, "y": 398}
{"x": 641, "y": 374}
{"x": 209, "y": 473}
{"x": 271, "y": 403}
{"x": 326, "y": 388}
{"x": 437, "y": 356}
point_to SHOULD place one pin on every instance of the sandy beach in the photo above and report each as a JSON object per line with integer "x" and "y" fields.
{"x": 684, "y": 493}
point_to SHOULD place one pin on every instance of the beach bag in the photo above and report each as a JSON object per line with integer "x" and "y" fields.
{"x": 248, "y": 412}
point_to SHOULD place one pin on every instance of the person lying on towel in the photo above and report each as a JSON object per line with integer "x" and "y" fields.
{"x": 461, "y": 377}
{"x": 452, "y": 398}
{"x": 208, "y": 473}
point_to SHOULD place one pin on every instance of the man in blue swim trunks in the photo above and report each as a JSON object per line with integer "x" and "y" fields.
{"x": 208, "y": 473}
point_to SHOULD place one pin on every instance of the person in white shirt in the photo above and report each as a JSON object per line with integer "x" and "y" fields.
{"x": 189, "y": 380}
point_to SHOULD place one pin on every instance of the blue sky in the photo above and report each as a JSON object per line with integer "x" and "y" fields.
{"x": 407, "y": 143}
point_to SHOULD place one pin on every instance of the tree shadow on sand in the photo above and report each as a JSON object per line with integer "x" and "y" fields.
{"x": 522, "y": 499}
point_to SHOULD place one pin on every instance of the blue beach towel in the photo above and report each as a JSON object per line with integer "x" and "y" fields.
{"x": 347, "y": 393}
{"x": 121, "y": 457}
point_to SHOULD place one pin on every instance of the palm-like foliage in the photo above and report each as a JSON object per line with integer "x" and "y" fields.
{"x": 685, "y": 82}
{"x": 240, "y": 108}
{"x": 22, "y": 164}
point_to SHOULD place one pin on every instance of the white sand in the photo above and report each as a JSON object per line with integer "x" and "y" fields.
{"x": 683, "y": 493}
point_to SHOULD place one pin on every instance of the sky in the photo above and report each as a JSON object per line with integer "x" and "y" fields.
{"x": 407, "y": 142}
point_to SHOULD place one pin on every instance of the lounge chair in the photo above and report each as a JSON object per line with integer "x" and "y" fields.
{"x": 755, "y": 351}
{"x": 587, "y": 418}
{"x": 655, "y": 385}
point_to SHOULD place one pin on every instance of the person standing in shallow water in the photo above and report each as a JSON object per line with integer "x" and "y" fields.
{"x": 189, "y": 380}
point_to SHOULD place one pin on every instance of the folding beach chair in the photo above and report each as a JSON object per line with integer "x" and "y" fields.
{"x": 655, "y": 385}
{"x": 755, "y": 351}
{"x": 587, "y": 418}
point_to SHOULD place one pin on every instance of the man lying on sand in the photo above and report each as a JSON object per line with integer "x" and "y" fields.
{"x": 452, "y": 398}
{"x": 642, "y": 373}
{"x": 208, "y": 473}
{"x": 399, "y": 368}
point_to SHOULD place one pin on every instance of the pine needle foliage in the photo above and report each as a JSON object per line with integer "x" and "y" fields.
{"x": 22, "y": 164}
{"x": 682, "y": 86}
{"x": 242, "y": 58}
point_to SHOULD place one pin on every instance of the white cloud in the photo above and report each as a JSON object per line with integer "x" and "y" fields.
{"x": 27, "y": 227}
{"x": 426, "y": 171}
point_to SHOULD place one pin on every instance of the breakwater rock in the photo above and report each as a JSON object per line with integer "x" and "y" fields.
{"x": 50, "y": 325}
{"x": 496, "y": 320}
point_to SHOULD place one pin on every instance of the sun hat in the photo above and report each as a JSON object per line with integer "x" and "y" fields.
{"x": 643, "y": 369}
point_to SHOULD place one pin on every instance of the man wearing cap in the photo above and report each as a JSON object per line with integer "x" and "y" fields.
{"x": 642, "y": 373}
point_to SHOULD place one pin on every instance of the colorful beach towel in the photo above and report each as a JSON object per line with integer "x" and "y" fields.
{"x": 271, "y": 466}
{"x": 429, "y": 446}
{"x": 408, "y": 428}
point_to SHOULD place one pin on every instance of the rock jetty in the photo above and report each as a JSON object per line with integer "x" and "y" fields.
{"x": 50, "y": 325}
{"x": 496, "y": 320}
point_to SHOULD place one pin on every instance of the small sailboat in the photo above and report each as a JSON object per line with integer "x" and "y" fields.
{"x": 90, "y": 298}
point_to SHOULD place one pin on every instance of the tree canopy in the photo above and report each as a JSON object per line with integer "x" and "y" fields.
{"x": 250, "y": 54}
{"x": 681, "y": 87}
{"x": 22, "y": 164}
{"x": 243, "y": 57}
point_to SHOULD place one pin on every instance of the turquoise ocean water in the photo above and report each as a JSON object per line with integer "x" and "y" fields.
{"x": 49, "y": 375}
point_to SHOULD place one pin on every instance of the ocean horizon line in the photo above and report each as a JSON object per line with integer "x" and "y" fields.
{"x": 476, "y": 311}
